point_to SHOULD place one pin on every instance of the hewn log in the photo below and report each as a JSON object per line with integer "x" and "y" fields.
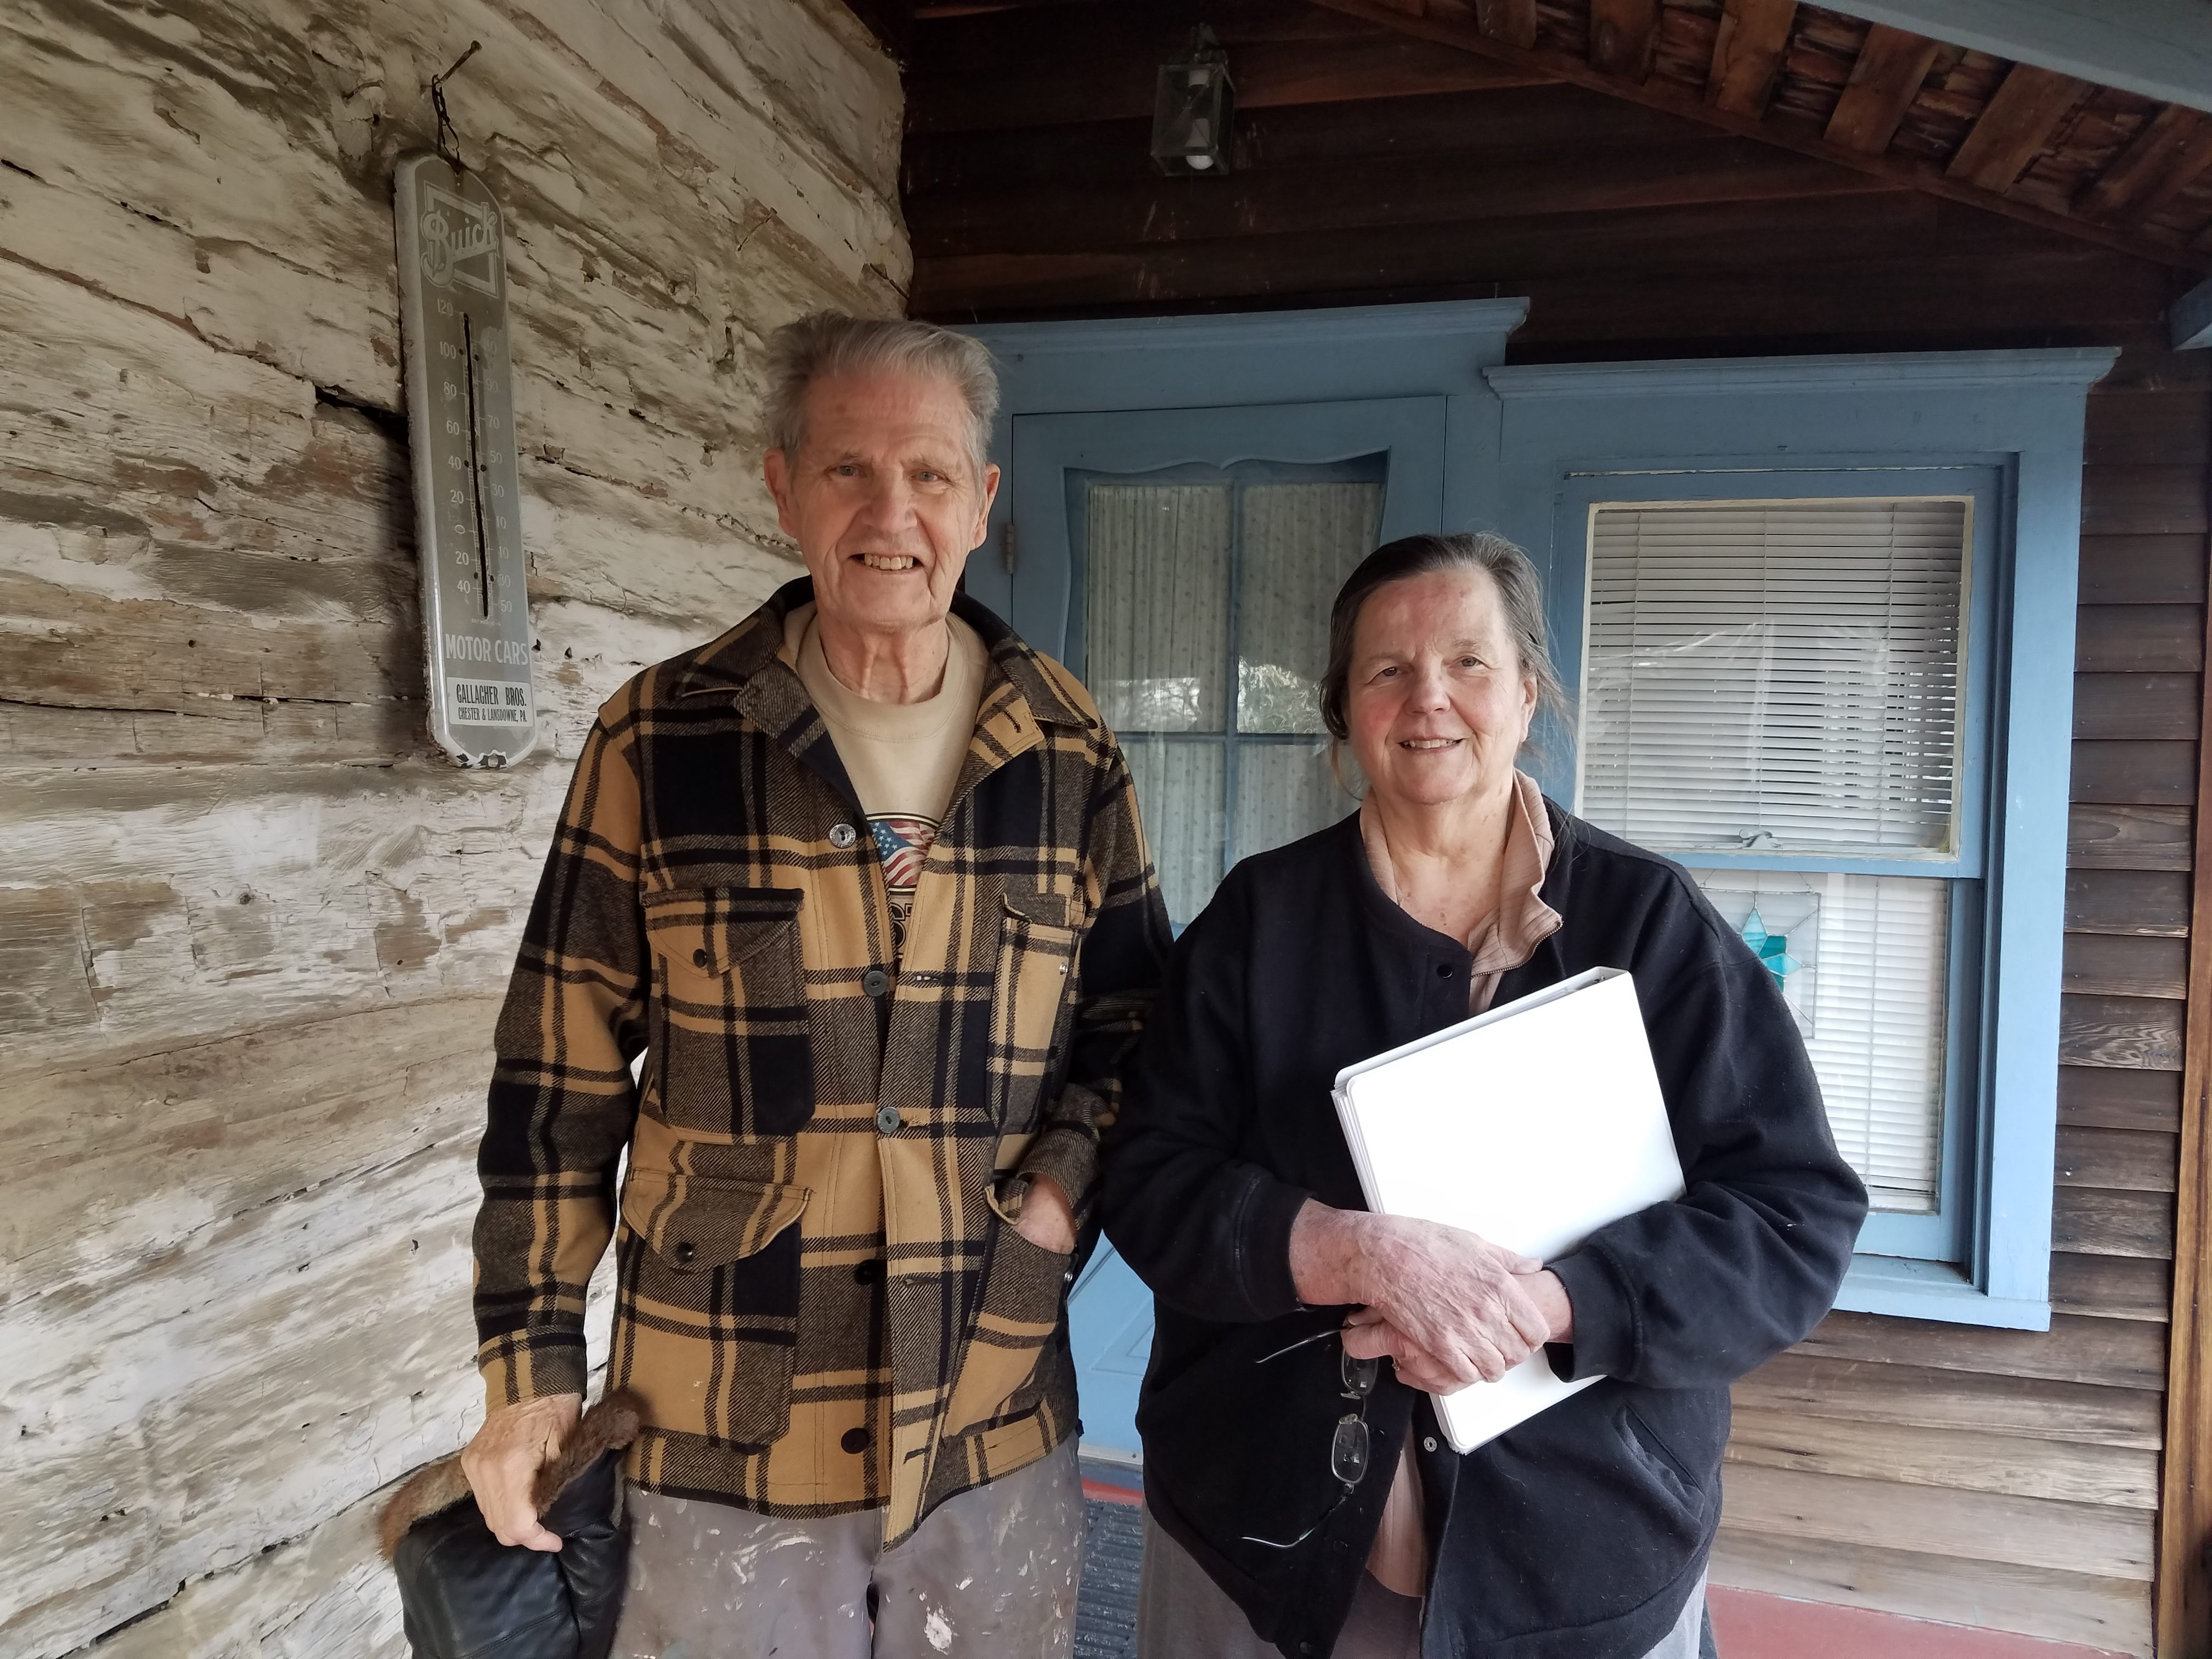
{"x": 1747, "y": 53}
{"x": 2019, "y": 122}
{"x": 1884, "y": 79}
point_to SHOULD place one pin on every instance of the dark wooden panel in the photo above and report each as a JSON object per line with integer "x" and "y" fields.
{"x": 2139, "y": 639}
{"x": 1926, "y": 1397}
{"x": 2143, "y": 1033}
{"x": 2103, "y": 1097}
{"x": 2153, "y": 903}
{"x": 2143, "y": 501}
{"x": 2147, "y": 428}
{"x": 2147, "y": 774}
{"x": 2118, "y": 837}
{"x": 1622, "y": 35}
{"x": 2112, "y": 1353}
{"x": 2121, "y": 966}
{"x": 1513, "y": 22}
{"x": 1359, "y": 196}
{"x": 2165, "y": 706}
{"x": 2142, "y": 569}
{"x": 1955, "y": 1458}
{"x": 2112, "y": 1287}
{"x": 2094, "y": 1223}
{"x": 2119, "y": 1160}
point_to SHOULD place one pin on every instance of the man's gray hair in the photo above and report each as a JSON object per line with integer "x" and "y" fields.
{"x": 832, "y": 343}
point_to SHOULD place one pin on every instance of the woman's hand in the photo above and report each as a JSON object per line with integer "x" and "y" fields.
{"x": 502, "y": 1465}
{"x": 1455, "y": 1308}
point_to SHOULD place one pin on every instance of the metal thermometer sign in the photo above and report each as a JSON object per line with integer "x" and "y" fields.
{"x": 460, "y": 420}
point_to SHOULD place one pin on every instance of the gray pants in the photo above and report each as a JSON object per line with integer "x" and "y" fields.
{"x": 1181, "y": 1614}
{"x": 992, "y": 1572}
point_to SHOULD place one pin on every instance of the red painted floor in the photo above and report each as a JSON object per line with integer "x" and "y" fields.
{"x": 1748, "y": 1624}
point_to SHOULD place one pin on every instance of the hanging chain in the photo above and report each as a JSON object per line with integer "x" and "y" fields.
{"x": 448, "y": 142}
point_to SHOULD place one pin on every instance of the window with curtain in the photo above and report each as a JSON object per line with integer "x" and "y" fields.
{"x": 1203, "y": 595}
{"x": 1773, "y": 695}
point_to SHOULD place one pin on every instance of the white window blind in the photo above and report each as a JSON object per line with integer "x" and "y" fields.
{"x": 1783, "y": 678}
{"x": 1776, "y": 676}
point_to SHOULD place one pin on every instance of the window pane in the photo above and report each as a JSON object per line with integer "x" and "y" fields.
{"x": 1179, "y": 791}
{"x": 1300, "y": 542}
{"x": 1156, "y": 604}
{"x": 1775, "y": 676}
{"x": 1861, "y": 961}
{"x": 1283, "y": 791}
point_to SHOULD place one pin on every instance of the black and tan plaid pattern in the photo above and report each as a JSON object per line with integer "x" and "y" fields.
{"x": 819, "y": 1298}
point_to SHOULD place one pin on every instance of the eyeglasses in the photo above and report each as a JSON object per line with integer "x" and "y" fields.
{"x": 1349, "y": 1448}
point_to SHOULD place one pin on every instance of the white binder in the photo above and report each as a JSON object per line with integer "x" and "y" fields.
{"x": 1532, "y": 1125}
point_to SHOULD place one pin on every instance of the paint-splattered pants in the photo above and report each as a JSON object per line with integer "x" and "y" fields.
{"x": 991, "y": 1574}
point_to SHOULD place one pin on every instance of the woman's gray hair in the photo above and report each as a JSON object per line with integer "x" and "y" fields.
{"x": 832, "y": 343}
{"x": 1519, "y": 587}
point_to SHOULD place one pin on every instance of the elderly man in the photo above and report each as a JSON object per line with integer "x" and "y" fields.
{"x": 863, "y": 881}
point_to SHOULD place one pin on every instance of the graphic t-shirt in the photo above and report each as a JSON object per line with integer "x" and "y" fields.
{"x": 904, "y": 758}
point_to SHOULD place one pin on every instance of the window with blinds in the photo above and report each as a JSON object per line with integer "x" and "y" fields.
{"x": 1205, "y": 595}
{"x": 1779, "y": 681}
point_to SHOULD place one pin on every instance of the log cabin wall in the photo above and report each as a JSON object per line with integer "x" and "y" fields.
{"x": 252, "y": 928}
{"x": 1994, "y": 1478}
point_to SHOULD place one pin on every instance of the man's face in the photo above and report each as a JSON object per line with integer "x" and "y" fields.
{"x": 883, "y": 498}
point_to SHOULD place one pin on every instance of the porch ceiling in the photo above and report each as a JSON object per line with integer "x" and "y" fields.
{"x": 2093, "y": 161}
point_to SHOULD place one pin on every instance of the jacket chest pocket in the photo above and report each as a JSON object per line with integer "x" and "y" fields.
{"x": 708, "y": 1324}
{"x": 735, "y": 1057}
{"x": 1036, "y": 972}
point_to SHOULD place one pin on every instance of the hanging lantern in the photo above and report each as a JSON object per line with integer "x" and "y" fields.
{"x": 1192, "y": 108}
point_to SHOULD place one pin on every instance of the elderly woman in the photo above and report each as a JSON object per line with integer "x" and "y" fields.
{"x": 1582, "y": 1533}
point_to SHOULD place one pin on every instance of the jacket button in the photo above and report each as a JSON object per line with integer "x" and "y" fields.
{"x": 842, "y": 835}
{"x": 1428, "y": 1443}
{"x": 699, "y": 958}
{"x": 875, "y": 981}
{"x": 1443, "y": 970}
{"x": 685, "y": 1251}
{"x": 887, "y": 1120}
{"x": 868, "y": 1272}
{"x": 855, "y": 1440}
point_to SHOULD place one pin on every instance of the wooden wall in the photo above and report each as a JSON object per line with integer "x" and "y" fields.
{"x": 253, "y": 929}
{"x": 1996, "y": 1478}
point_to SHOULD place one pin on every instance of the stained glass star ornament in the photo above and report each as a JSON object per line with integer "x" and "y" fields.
{"x": 1772, "y": 949}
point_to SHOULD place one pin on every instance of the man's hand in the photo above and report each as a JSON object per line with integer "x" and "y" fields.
{"x": 1047, "y": 1219}
{"x": 502, "y": 1462}
{"x": 1369, "y": 1336}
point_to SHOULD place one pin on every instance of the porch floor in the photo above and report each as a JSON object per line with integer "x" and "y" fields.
{"x": 1746, "y": 1623}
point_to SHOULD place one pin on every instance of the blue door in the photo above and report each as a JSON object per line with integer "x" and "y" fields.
{"x": 1182, "y": 561}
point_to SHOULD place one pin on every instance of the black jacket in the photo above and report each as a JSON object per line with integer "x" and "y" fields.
{"x": 1580, "y": 1534}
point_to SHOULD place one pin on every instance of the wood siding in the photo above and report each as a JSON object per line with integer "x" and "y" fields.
{"x": 253, "y": 929}
{"x": 1996, "y": 1478}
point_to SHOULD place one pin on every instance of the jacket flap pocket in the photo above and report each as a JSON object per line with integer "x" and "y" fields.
{"x": 1044, "y": 909}
{"x": 694, "y": 1224}
{"x": 711, "y": 930}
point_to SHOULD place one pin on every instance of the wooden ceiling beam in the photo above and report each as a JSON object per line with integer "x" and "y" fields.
{"x": 1623, "y": 34}
{"x": 2168, "y": 156}
{"x": 1510, "y": 22}
{"x": 2015, "y": 126}
{"x": 1747, "y": 54}
{"x": 1904, "y": 171}
{"x": 1884, "y": 79}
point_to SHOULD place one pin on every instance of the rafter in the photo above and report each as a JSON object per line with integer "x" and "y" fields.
{"x": 2168, "y": 156}
{"x": 2018, "y": 123}
{"x": 1904, "y": 171}
{"x": 1512, "y": 22}
{"x": 1747, "y": 54}
{"x": 1885, "y": 80}
{"x": 1623, "y": 36}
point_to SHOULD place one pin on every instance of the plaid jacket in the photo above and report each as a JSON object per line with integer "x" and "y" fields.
{"x": 819, "y": 1295}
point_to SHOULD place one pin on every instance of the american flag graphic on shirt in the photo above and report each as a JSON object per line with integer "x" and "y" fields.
{"x": 903, "y": 841}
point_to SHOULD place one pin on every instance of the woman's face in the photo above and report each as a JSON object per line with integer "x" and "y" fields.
{"x": 1437, "y": 702}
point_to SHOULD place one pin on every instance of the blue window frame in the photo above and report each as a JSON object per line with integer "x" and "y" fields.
{"x": 2003, "y": 432}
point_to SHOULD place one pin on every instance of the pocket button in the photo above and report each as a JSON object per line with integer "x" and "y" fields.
{"x": 686, "y": 1252}
{"x": 887, "y": 1120}
{"x": 699, "y": 958}
{"x": 868, "y": 1272}
{"x": 855, "y": 1440}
